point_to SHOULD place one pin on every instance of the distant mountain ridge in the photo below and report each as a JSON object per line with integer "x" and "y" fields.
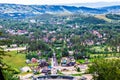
{"x": 22, "y": 11}
{"x": 96, "y": 4}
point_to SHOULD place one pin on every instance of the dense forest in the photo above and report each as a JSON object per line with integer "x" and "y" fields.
{"x": 113, "y": 16}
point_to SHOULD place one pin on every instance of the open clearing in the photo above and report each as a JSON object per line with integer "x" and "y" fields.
{"x": 14, "y": 59}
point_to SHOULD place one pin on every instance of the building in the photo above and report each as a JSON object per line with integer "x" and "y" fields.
{"x": 25, "y": 69}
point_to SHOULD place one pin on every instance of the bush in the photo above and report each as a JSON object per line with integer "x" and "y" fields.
{"x": 59, "y": 72}
{"x": 105, "y": 69}
{"x": 28, "y": 71}
{"x": 78, "y": 69}
{"x": 16, "y": 71}
{"x": 9, "y": 75}
{"x": 37, "y": 72}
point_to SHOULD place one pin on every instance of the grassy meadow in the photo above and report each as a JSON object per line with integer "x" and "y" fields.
{"x": 14, "y": 59}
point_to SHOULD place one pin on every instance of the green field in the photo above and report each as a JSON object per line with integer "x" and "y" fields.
{"x": 14, "y": 59}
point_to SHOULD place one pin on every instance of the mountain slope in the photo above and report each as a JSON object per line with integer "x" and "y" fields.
{"x": 113, "y": 9}
{"x": 22, "y": 11}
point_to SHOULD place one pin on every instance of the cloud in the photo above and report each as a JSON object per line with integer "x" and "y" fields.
{"x": 50, "y": 2}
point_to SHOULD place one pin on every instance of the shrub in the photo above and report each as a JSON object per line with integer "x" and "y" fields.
{"x": 105, "y": 69}
{"x": 78, "y": 69}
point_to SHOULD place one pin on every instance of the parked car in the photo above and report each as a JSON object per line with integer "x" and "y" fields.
{"x": 46, "y": 71}
{"x": 83, "y": 78}
{"x": 71, "y": 64}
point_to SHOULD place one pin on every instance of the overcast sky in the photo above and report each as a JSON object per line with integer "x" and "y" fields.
{"x": 54, "y": 2}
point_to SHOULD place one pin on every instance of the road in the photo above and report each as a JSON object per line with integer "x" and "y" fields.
{"x": 15, "y": 49}
{"x": 54, "y": 62}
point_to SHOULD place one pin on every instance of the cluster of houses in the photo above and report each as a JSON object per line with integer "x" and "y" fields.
{"x": 44, "y": 67}
{"x": 94, "y": 32}
{"x": 41, "y": 66}
{"x": 18, "y": 32}
{"x": 67, "y": 61}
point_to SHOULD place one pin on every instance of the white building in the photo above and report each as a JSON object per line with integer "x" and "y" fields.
{"x": 25, "y": 69}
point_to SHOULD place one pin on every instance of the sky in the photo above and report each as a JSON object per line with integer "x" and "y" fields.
{"x": 53, "y": 2}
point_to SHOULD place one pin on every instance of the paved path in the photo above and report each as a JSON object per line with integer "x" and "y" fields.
{"x": 26, "y": 77}
{"x": 88, "y": 76}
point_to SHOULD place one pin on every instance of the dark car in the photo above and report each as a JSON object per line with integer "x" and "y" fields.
{"x": 46, "y": 72}
{"x": 83, "y": 78}
{"x": 71, "y": 64}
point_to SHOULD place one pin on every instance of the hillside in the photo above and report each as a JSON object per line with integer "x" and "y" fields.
{"x": 23, "y": 11}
